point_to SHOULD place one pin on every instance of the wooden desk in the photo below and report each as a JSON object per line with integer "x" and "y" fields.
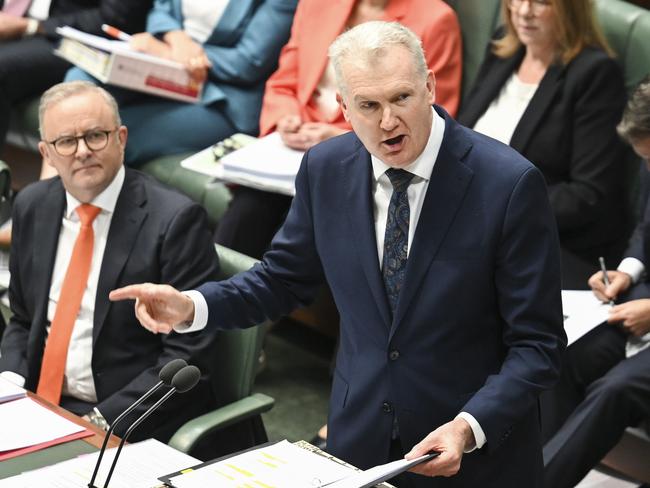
{"x": 59, "y": 452}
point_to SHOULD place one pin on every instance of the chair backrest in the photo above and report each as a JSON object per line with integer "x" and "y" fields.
{"x": 237, "y": 351}
{"x": 627, "y": 28}
{"x": 478, "y": 20}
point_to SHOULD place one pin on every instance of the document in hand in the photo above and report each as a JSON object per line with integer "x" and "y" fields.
{"x": 115, "y": 63}
{"x": 286, "y": 465}
{"x": 582, "y": 312}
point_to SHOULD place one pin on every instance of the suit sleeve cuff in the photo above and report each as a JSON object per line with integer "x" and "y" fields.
{"x": 200, "y": 313}
{"x": 633, "y": 267}
{"x": 479, "y": 435}
{"x": 15, "y": 378}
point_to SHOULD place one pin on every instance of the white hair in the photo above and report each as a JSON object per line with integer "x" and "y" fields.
{"x": 367, "y": 42}
{"x": 61, "y": 91}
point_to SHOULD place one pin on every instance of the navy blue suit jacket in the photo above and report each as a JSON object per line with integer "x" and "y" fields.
{"x": 478, "y": 324}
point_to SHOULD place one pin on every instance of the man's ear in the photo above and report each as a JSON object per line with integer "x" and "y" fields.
{"x": 42, "y": 148}
{"x": 343, "y": 105}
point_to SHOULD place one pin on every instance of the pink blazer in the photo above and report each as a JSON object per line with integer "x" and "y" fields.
{"x": 317, "y": 23}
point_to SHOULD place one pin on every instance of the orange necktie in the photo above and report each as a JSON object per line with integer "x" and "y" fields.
{"x": 67, "y": 309}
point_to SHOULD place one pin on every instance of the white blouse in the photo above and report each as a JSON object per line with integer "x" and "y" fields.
{"x": 200, "y": 17}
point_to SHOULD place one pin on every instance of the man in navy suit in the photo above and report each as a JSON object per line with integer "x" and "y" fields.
{"x": 440, "y": 248}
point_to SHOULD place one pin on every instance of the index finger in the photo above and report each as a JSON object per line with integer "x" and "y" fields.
{"x": 129, "y": 292}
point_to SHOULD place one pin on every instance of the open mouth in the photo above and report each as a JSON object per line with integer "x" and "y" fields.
{"x": 394, "y": 141}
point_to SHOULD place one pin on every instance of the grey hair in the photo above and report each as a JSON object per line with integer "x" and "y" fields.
{"x": 635, "y": 123}
{"x": 61, "y": 91}
{"x": 367, "y": 42}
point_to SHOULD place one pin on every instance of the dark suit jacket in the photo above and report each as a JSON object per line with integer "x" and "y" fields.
{"x": 88, "y": 15}
{"x": 568, "y": 132}
{"x": 156, "y": 235}
{"x": 478, "y": 324}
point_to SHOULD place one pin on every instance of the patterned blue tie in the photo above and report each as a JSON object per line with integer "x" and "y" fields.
{"x": 397, "y": 235}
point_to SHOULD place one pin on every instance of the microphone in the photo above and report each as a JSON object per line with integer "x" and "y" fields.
{"x": 183, "y": 381}
{"x": 166, "y": 376}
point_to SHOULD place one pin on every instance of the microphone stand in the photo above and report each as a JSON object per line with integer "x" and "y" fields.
{"x": 112, "y": 427}
{"x": 130, "y": 429}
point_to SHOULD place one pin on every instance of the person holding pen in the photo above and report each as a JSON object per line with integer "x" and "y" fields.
{"x": 607, "y": 372}
{"x": 231, "y": 45}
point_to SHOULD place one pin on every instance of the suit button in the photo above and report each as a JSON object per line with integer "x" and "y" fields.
{"x": 386, "y": 407}
{"x": 393, "y": 355}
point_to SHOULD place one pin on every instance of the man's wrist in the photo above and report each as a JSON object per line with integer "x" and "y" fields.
{"x": 95, "y": 417}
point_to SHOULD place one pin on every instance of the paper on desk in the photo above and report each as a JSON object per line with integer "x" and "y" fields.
{"x": 583, "y": 312}
{"x": 25, "y": 423}
{"x": 279, "y": 465}
{"x": 139, "y": 466}
{"x": 10, "y": 391}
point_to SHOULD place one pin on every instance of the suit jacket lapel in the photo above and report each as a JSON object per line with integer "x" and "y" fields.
{"x": 537, "y": 107}
{"x": 449, "y": 183}
{"x": 47, "y": 226}
{"x": 356, "y": 173}
{"x": 127, "y": 220}
{"x": 232, "y": 17}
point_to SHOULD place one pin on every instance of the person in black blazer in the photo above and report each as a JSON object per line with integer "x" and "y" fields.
{"x": 154, "y": 234}
{"x": 28, "y": 65}
{"x": 567, "y": 128}
{"x": 606, "y": 377}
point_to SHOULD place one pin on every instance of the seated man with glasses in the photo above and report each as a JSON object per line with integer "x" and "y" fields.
{"x": 97, "y": 226}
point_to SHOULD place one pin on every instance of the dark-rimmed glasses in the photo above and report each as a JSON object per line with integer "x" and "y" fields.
{"x": 536, "y": 6}
{"x": 95, "y": 140}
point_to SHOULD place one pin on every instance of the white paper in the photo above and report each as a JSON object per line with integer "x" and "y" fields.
{"x": 279, "y": 465}
{"x": 139, "y": 466}
{"x": 256, "y": 168}
{"x": 25, "y": 423}
{"x": 583, "y": 312}
{"x": 373, "y": 476}
{"x": 10, "y": 391}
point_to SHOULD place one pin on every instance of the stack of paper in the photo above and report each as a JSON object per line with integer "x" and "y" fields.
{"x": 582, "y": 312}
{"x": 9, "y": 391}
{"x": 138, "y": 466}
{"x": 115, "y": 63}
{"x": 27, "y": 426}
{"x": 265, "y": 163}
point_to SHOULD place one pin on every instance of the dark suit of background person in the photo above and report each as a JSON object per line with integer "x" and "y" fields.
{"x": 28, "y": 65}
{"x": 603, "y": 391}
{"x": 243, "y": 49}
{"x": 477, "y": 327}
{"x": 568, "y": 131}
{"x": 156, "y": 234}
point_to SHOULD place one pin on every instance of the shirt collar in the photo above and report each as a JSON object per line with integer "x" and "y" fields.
{"x": 106, "y": 200}
{"x": 423, "y": 165}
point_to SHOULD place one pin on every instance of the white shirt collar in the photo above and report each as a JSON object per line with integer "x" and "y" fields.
{"x": 106, "y": 200}
{"x": 423, "y": 165}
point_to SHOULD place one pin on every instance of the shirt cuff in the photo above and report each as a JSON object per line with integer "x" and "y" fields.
{"x": 200, "y": 313}
{"x": 633, "y": 267}
{"x": 15, "y": 378}
{"x": 479, "y": 435}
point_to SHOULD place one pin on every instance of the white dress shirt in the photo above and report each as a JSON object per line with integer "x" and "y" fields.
{"x": 382, "y": 192}
{"x": 78, "y": 378}
{"x": 635, "y": 269}
{"x": 201, "y": 17}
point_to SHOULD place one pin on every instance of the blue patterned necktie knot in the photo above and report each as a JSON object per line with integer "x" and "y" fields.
{"x": 399, "y": 178}
{"x": 397, "y": 233}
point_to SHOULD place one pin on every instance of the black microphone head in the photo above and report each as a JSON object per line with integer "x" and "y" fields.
{"x": 186, "y": 379}
{"x": 168, "y": 371}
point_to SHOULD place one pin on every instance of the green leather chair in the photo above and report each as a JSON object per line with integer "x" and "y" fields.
{"x": 237, "y": 423}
